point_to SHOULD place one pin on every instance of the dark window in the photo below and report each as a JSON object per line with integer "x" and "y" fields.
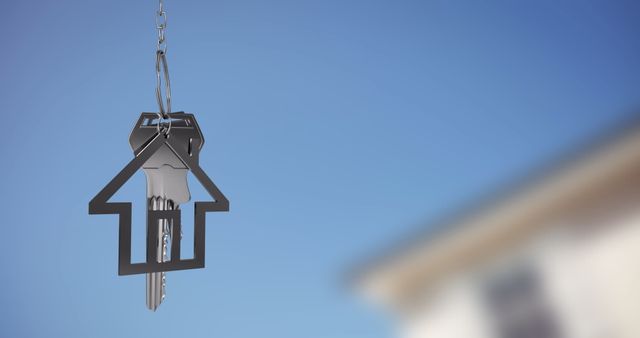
{"x": 517, "y": 305}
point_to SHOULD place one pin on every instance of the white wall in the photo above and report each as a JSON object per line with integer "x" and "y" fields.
{"x": 594, "y": 280}
{"x": 453, "y": 310}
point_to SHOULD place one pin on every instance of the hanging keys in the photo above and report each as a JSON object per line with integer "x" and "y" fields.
{"x": 166, "y": 146}
{"x": 167, "y": 188}
{"x": 166, "y": 149}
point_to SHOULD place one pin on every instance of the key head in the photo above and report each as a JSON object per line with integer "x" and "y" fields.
{"x": 166, "y": 172}
{"x": 168, "y": 183}
{"x": 184, "y": 130}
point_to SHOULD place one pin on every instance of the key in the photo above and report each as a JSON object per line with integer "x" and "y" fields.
{"x": 167, "y": 187}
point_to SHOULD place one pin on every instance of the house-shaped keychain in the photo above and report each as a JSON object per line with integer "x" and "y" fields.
{"x": 166, "y": 149}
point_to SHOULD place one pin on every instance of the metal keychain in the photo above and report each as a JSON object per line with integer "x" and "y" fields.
{"x": 166, "y": 146}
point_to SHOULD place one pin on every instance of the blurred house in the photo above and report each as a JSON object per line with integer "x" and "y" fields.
{"x": 559, "y": 256}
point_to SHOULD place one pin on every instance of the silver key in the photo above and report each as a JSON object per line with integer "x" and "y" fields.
{"x": 166, "y": 189}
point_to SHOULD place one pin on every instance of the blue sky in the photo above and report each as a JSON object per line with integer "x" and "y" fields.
{"x": 333, "y": 127}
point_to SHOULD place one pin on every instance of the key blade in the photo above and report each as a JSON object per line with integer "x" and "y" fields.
{"x": 156, "y": 281}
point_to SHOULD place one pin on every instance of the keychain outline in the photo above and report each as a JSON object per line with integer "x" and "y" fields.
{"x": 100, "y": 205}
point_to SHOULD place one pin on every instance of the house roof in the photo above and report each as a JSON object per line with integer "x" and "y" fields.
{"x": 605, "y": 157}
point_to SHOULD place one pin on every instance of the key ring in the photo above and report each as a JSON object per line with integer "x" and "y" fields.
{"x": 161, "y": 62}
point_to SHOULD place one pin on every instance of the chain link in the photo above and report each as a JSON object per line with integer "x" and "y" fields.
{"x": 161, "y": 25}
{"x": 162, "y": 69}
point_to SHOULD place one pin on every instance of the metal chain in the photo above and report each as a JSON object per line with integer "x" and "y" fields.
{"x": 161, "y": 25}
{"x": 162, "y": 69}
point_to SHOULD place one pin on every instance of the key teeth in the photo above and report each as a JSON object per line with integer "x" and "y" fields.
{"x": 155, "y": 298}
{"x": 156, "y": 281}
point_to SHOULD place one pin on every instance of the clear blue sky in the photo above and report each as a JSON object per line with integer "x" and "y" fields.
{"x": 334, "y": 128}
